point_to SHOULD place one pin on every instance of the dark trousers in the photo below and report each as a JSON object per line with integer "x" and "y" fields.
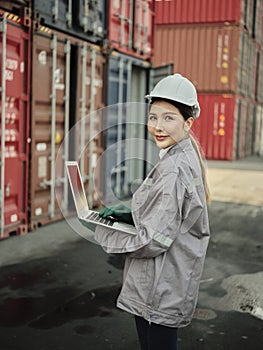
{"x": 154, "y": 336}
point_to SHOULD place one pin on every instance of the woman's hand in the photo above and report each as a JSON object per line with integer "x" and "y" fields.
{"x": 119, "y": 211}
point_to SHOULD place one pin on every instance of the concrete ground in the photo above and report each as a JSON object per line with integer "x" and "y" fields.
{"x": 58, "y": 290}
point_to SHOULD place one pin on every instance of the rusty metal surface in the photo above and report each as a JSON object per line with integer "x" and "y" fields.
{"x": 51, "y": 76}
{"x": 17, "y": 68}
{"x": 208, "y": 55}
{"x": 130, "y": 27}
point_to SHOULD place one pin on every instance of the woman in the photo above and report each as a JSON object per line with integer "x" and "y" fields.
{"x": 164, "y": 262}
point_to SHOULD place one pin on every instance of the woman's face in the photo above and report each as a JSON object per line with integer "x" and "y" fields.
{"x": 166, "y": 124}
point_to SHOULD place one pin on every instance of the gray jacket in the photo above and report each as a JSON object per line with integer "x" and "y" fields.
{"x": 164, "y": 262}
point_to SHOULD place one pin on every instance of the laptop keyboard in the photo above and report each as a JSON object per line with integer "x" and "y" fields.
{"x": 96, "y": 218}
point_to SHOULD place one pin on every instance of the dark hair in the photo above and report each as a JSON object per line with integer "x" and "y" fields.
{"x": 186, "y": 111}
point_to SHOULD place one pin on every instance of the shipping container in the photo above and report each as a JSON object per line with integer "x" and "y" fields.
{"x": 18, "y": 10}
{"x": 67, "y": 85}
{"x": 228, "y": 127}
{"x": 205, "y": 11}
{"x": 130, "y": 27}
{"x": 15, "y": 98}
{"x": 84, "y": 19}
{"x": 215, "y": 128}
{"x": 216, "y": 58}
{"x": 127, "y": 79}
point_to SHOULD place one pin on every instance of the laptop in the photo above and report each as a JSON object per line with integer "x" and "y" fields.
{"x": 85, "y": 215}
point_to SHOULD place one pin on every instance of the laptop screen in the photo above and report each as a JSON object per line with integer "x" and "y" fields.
{"x": 77, "y": 187}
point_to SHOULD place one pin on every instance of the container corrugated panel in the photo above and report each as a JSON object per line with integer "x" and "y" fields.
{"x": 240, "y": 130}
{"x": 130, "y": 27}
{"x": 247, "y": 66}
{"x": 87, "y": 98}
{"x": 126, "y": 82}
{"x": 71, "y": 75}
{"x": 249, "y": 129}
{"x": 215, "y": 129}
{"x": 15, "y": 127}
{"x": 85, "y": 19}
{"x": 198, "y": 11}
{"x": 216, "y": 58}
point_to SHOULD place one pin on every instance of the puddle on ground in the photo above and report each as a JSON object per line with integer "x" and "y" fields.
{"x": 20, "y": 279}
{"x": 53, "y": 309}
{"x": 99, "y": 302}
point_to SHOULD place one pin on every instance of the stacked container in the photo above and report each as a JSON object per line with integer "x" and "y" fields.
{"x": 60, "y": 43}
{"x": 64, "y": 60}
{"x": 15, "y": 98}
{"x": 129, "y": 45}
{"x": 67, "y": 86}
{"x": 219, "y": 48}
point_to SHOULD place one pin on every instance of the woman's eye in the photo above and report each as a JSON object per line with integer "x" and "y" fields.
{"x": 152, "y": 118}
{"x": 169, "y": 117}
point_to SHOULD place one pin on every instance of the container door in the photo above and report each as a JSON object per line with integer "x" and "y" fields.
{"x": 115, "y": 127}
{"x": 54, "y": 13}
{"x": 49, "y": 123}
{"x": 135, "y": 143}
{"x": 91, "y": 16}
{"x": 14, "y": 48}
{"x": 142, "y": 27}
{"x": 125, "y": 128}
{"x": 130, "y": 25}
{"x": 89, "y": 101}
{"x": 84, "y": 19}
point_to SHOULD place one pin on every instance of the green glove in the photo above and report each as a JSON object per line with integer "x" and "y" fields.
{"x": 119, "y": 211}
{"x": 89, "y": 225}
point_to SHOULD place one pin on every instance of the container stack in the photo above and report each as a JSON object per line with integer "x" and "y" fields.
{"x": 15, "y": 105}
{"x": 129, "y": 42}
{"x": 67, "y": 85}
{"x": 63, "y": 61}
{"x": 219, "y": 47}
{"x": 53, "y": 78}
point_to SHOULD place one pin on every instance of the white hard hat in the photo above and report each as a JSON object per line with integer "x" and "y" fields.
{"x": 177, "y": 88}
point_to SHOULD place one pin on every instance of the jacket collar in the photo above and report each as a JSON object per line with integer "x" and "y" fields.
{"x": 182, "y": 146}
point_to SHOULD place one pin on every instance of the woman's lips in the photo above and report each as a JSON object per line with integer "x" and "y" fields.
{"x": 160, "y": 137}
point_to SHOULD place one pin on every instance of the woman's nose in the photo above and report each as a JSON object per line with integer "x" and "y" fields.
{"x": 159, "y": 124}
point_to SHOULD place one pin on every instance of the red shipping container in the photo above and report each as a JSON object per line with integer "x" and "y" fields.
{"x": 217, "y": 59}
{"x": 225, "y": 126}
{"x": 14, "y": 50}
{"x": 200, "y": 11}
{"x": 215, "y": 127}
{"x": 130, "y": 27}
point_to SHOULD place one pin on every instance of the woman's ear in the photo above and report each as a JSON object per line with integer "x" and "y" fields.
{"x": 188, "y": 123}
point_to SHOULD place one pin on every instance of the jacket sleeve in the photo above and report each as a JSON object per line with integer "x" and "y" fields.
{"x": 157, "y": 219}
